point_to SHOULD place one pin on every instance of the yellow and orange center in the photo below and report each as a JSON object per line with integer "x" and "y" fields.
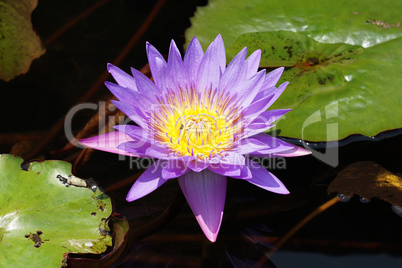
{"x": 200, "y": 125}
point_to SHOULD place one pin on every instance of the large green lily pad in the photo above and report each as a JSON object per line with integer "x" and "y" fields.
{"x": 343, "y": 60}
{"x": 41, "y": 220}
{"x": 19, "y": 44}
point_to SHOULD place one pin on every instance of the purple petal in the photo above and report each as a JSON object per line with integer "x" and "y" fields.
{"x": 255, "y": 128}
{"x": 294, "y": 152}
{"x": 219, "y": 48}
{"x": 278, "y": 93}
{"x": 149, "y": 181}
{"x": 263, "y": 122}
{"x": 212, "y": 65}
{"x": 144, "y": 85}
{"x": 245, "y": 173}
{"x": 225, "y": 170}
{"x": 256, "y": 108}
{"x": 133, "y": 113}
{"x": 138, "y": 148}
{"x": 263, "y": 143}
{"x": 234, "y": 159}
{"x": 273, "y": 77}
{"x": 273, "y": 92}
{"x": 197, "y": 166}
{"x": 270, "y": 116}
{"x": 159, "y": 152}
{"x": 274, "y": 145}
{"x": 265, "y": 179}
{"x": 120, "y": 92}
{"x": 176, "y": 69}
{"x": 109, "y": 142}
{"x": 137, "y": 133}
{"x": 121, "y": 77}
{"x": 249, "y": 145}
{"x": 174, "y": 169}
{"x": 129, "y": 96}
{"x": 250, "y": 89}
{"x": 205, "y": 193}
{"x": 235, "y": 73}
{"x": 253, "y": 62}
{"x": 192, "y": 59}
{"x": 157, "y": 64}
{"x": 231, "y": 165}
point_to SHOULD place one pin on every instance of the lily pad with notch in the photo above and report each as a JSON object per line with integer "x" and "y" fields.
{"x": 42, "y": 220}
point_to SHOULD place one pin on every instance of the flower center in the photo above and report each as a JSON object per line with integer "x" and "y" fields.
{"x": 203, "y": 126}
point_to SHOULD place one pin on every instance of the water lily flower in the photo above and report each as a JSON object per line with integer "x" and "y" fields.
{"x": 199, "y": 118}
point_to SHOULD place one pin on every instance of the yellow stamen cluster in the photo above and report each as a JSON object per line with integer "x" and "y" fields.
{"x": 201, "y": 125}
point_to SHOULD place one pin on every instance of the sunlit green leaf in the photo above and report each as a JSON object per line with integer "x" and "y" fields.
{"x": 41, "y": 219}
{"x": 343, "y": 59}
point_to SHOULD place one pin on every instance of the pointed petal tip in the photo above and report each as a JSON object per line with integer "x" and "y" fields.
{"x": 297, "y": 151}
{"x": 205, "y": 193}
{"x": 114, "y": 102}
{"x": 109, "y": 66}
{"x": 132, "y": 196}
{"x": 209, "y": 233}
{"x": 283, "y": 191}
{"x": 218, "y": 39}
{"x": 129, "y": 199}
{"x": 212, "y": 239}
{"x": 172, "y": 42}
{"x": 194, "y": 39}
{"x": 284, "y": 84}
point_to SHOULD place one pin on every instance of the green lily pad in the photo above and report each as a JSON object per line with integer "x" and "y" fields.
{"x": 343, "y": 60}
{"x": 120, "y": 227}
{"x": 41, "y": 220}
{"x": 363, "y": 23}
{"x": 19, "y": 44}
{"x": 336, "y": 89}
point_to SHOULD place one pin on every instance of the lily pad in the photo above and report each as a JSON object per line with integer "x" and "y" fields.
{"x": 368, "y": 180}
{"x": 352, "y": 22}
{"x": 41, "y": 219}
{"x": 120, "y": 227}
{"x": 343, "y": 60}
{"x": 336, "y": 89}
{"x": 19, "y": 44}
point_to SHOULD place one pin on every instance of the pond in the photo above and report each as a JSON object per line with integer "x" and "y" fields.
{"x": 344, "y": 207}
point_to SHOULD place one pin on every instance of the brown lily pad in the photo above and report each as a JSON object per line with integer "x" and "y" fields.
{"x": 19, "y": 44}
{"x": 368, "y": 180}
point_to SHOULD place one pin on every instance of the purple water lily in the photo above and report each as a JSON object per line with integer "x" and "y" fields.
{"x": 198, "y": 119}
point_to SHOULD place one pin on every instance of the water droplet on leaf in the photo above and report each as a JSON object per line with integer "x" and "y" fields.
{"x": 397, "y": 210}
{"x": 343, "y": 198}
{"x": 364, "y": 200}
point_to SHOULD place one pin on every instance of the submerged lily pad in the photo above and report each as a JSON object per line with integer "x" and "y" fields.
{"x": 19, "y": 44}
{"x": 343, "y": 60}
{"x": 368, "y": 180}
{"x": 41, "y": 219}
